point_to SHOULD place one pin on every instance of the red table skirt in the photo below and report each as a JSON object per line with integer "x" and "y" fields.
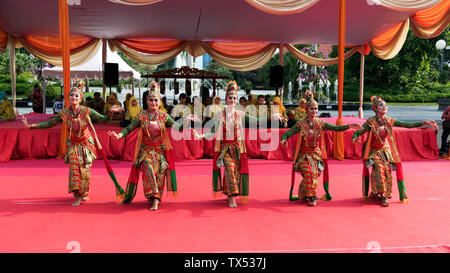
{"x": 18, "y": 142}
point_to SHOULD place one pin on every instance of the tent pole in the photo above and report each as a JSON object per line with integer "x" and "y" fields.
{"x": 361, "y": 84}
{"x": 12, "y": 67}
{"x": 104, "y": 53}
{"x": 44, "y": 85}
{"x": 139, "y": 84}
{"x": 281, "y": 61}
{"x": 339, "y": 136}
{"x": 65, "y": 47}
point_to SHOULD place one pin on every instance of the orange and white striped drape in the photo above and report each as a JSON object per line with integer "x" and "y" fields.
{"x": 426, "y": 24}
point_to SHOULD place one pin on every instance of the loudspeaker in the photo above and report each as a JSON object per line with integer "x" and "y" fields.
{"x": 176, "y": 87}
{"x": 111, "y": 74}
{"x": 188, "y": 87}
{"x": 276, "y": 76}
{"x": 162, "y": 87}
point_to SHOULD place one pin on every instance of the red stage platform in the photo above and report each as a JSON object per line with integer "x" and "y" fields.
{"x": 18, "y": 142}
{"x": 36, "y": 213}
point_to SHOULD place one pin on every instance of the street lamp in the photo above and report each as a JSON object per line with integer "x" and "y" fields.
{"x": 440, "y": 45}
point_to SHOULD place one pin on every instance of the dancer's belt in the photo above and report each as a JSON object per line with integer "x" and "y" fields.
{"x": 309, "y": 149}
{"x": 377, "y": 145}
{"x": 153, "y": 145}
{"x": 78, "y": 140}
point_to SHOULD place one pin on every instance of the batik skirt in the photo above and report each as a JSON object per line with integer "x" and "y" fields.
{"x": 80, "y": 156}
{"x": 309, "y": 165}
{"x": 153, "y": 166}
{"x": 381, "y": 176}
{"x": 230, "y": 158}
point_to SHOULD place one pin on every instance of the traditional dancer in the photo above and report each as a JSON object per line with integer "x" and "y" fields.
{"x": 80, "y": 145}
{"x": 309, "y": 158}
{"x": 378, "y": 154}
{"x": 229, "y": 148}
{"x": 153, "y": 155}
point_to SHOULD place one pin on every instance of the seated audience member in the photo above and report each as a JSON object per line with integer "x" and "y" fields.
{"x": 144, "y": 99}
{"x": 291, "y": 118}
{"x": 214, "y": 108}
{"x": 127, "y": 98}
{"x": 58, "y": 104}
{"x": 268, "y": 100}
{"x": 164, "y": 103}
{"x": 133, "y": 109}
{"x": 117, "y": 99}
{"x": 111, "y": 101}
{"x": 251, "y": 100}
{"x": 243, "y": 102}
{"x": 278, "y": 107}
{"x": 181, "y": 109}
{"x": 6, "y": 108}
{"x": 300, "y": 111}
{"x": 197, "y": 108}
{"x": 97, "y": 103}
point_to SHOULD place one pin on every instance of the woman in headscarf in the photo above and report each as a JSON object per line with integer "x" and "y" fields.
{"x": 251, "y": 100}
{"x": 278, "y": 107}
{"x": 133, "y": 109}
{"x": 80, "y": 145}
{"x": 117, "y": 102}
{"x": 300, "y": 111}
{"x": 309, "y": 157}
{"x": 6, "y": 108}
{"x": 214, "y": 108}
{"x": 378, "y": 153}
{"x": 111, "y": 101}
{"x": 153, "y": 154}
{"x": 197, "y": 108}
{"x": 229, "y": 148}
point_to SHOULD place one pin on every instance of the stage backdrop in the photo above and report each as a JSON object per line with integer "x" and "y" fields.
{"x": 18, "y": 142}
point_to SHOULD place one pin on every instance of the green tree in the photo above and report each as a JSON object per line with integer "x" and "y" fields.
{"x": 220, "y": 70}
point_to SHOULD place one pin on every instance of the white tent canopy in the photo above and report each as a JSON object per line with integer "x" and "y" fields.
{"x": 93, "y": 68}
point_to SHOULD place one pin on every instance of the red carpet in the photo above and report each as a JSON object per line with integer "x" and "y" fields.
{"x": 36, "y": 213}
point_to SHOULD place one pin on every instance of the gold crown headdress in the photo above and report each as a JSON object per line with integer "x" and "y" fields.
{"x": 375, "y": 100}
{"x": 78, "y": 86}
{"x": 154, "y": 88}
{"x": 232, "y": 87}
{"x": 309, "y": 96}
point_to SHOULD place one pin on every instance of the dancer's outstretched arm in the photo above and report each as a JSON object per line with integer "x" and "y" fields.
{"x": 135, "y": 123}
{"x": 361, "y": 131}
{"x": 43, "y": 125}
{"x": 277, "y": 116}
{"x": 404, "y": 124}
{"x": 96, "y": 116}
{"x": 292, "y": 131}
{"x": 330, "y": 127}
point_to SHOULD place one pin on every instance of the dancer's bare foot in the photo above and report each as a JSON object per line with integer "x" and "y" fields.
{"x": 232, "y": 202}
{"x": 77, "y": 202}
{"x": 312, "y": 201}
{"x": 85, "y": 198}
{"x": 384, "y": 202}
{"x": 155, "y": 204}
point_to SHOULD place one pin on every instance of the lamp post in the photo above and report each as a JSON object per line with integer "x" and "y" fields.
{"x": 440, "y": 45}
